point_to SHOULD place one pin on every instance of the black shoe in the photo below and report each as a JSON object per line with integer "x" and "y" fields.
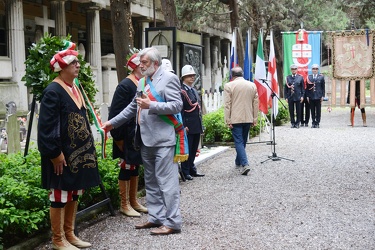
{"x": 197, "y": 175}
{"x": 188, "y": 177}
{"x": 306, "y": 125}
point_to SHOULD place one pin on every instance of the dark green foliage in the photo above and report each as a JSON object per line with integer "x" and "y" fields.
{"x": 39, "y": 74}
{"x": 217, "y": 131}
{"x": 282, "y": 115}
{"x": 24, "y": 205}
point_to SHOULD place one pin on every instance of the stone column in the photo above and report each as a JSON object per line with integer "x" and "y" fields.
{"x": 145, "y": 25}
{"x": 218, "y": 74}
{"x": 207, "y": 83}
{"x": 226, "y": 51}
{"x": 58, "y": 14}
{"x": 93, "y": 53}
{"x": 217, "y": 43}
{"x": 16, "y": 46}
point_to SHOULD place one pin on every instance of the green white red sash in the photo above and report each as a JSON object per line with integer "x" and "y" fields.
{"x": 96, "y": 118}
{"x": 175, "y": 120}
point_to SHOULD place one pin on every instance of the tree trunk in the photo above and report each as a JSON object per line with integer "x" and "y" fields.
{"x": 122, "y": 30}
{"x": 168, "y": 9}
{"x": 234, "y": 19}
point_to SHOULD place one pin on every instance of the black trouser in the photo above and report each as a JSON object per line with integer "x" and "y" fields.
{"x": 188, "y": 167}
{"x": 316, "y": 108}
{"x": 305, "y": 109}
{"x": 294, "y": 106}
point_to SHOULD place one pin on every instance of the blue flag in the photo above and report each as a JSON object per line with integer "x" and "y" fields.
{"x": 248, "y": 64}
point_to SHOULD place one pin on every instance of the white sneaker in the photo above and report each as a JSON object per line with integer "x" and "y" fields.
{"x": 245, "y": 170}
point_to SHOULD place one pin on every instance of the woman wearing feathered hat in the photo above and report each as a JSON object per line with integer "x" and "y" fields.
{"x": 68, "y": 156}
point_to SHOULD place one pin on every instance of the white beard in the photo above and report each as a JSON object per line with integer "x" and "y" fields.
{"x": 149, "y": 71}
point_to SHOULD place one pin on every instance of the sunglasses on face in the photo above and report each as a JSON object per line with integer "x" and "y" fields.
{"x": 74, "y": 62}
{"x": 314, "y": 68}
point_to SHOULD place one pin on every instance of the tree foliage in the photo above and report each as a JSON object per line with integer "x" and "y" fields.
{"x": 39, "y": 74}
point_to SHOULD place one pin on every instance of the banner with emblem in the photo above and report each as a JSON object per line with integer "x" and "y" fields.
{"x": 302, "y": 48}
{"x": 353, "y": 54}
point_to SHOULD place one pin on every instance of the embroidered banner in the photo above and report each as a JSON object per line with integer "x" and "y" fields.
{"x": 353, "y": 54}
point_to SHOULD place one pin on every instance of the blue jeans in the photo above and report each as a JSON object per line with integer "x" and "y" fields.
{"x": 240, "y": 132}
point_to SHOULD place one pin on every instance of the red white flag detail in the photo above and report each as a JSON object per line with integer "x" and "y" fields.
{"x": 272, "y": 76}
{"x": 260, "y": 76}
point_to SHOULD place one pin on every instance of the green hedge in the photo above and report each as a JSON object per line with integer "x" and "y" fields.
{"x": 24, "y": 205}
{"x": 217, "y": 131}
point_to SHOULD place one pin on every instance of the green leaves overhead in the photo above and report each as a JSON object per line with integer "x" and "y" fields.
{"x": 39, "y": 74}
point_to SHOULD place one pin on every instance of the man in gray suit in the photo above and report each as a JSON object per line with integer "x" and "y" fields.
{"x": 158, "y": 141}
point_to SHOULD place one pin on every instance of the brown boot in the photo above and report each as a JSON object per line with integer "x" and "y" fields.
{"x": 70, "y": 218}
{"x": 352, "y": 117}
{"x": 364, "y": 119}
{"x": 133, "y": 195}
{"x": 57, "y": 226}
{"x": 125, "y": 208}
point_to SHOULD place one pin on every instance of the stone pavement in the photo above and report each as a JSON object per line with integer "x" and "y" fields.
{"x": 323, "y": 199}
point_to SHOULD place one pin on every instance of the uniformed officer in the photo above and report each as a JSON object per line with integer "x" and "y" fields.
{"x": 192, "y": 120}
{"x": 315, "y": 93}
{"x": 294, "y": 91}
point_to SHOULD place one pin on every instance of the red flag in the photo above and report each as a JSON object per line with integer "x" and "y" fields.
{"x": 260, "y": 77}
{"x": 233, "y": 56}
{"x": 272, "y": 76}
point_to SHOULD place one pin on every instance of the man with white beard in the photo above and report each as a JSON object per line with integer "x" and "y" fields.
{"x": 158, "y": 98}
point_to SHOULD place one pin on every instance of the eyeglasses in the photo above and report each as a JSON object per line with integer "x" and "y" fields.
{"x": 74, "y": 62}
{"x": 314, "y": 68}
{"x": 294, "y": 69}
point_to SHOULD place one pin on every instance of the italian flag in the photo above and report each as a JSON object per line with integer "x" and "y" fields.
{"x": 260, "y": 73}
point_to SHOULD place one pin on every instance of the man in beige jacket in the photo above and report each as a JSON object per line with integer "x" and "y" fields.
{"x": 240, "y": 112}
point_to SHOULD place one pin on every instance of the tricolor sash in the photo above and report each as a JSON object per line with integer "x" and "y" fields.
{"x": 96, "y": 118}
{"x": 175, "y": 120}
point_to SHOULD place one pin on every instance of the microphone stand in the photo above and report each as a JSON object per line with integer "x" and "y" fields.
{"x": 274, "y": 156}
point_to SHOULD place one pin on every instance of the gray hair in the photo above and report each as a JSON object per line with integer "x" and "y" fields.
{"x": 236, "y": 72}
{"x": 152, "y": 53}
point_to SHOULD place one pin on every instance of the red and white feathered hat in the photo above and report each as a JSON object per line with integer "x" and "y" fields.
{"x": 63, "y": 58}
{"x": 133, "y": 62}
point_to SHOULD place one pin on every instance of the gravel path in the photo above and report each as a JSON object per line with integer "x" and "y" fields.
{"x": 325, "y": 199}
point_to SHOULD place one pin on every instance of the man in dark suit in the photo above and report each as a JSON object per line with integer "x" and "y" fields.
{"x": 159, "y": 96}
{"x": 192, "y": 119}
{"x": 294, "y": 91}
{"x": 315, "y": 93}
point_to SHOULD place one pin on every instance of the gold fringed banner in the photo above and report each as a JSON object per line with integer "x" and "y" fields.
{"x": 353, "y": 55}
